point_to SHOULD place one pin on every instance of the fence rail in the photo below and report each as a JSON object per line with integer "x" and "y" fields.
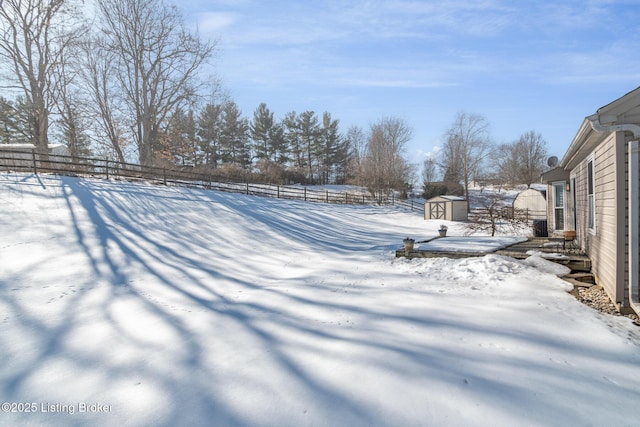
{"x": 30, "y": 161}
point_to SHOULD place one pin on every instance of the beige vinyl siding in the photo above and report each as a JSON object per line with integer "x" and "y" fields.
{"x": 602, "y": 243}
{"x": 622, "y": 259}
{"x": 625, "y": 220}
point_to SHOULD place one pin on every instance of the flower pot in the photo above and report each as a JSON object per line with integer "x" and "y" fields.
{"x": 443, "y": 233}
{"x": 408, "y": 244}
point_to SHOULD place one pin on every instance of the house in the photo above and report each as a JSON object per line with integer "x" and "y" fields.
{"x": 533, "y": 202}
{"x": 594, "y": 190}
{"x": 450, "y": 208}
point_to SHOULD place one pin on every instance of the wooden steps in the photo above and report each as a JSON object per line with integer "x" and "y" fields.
{"x": 578, "y": 263}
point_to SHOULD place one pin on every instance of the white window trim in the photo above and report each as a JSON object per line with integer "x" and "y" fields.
{"x": 573, "y": 210}
{"x": 563, "y": 185}
{"x": 591, "y": 159}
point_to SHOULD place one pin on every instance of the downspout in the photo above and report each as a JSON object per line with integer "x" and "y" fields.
{"x": 634, "y": 206}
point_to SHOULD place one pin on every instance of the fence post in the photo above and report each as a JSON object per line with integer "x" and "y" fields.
{"x": 327, "y": 195}
{"x": 33, "y": 156}
{"x": 164, "y": 176}
{"x": 278, "y": 191}
{"x": 305, "y": 194}
{"x": 106, "y": 168}
{"x": 247, "y": 191}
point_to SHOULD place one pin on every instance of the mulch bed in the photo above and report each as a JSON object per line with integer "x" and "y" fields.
{"x": 596, "y": 297}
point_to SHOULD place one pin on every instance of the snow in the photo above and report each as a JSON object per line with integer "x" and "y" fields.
{"x": 470, "y": 244}
{"x": 134, "y": 304}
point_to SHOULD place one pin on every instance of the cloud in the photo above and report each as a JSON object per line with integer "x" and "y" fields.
{"x": 215, "y": 22}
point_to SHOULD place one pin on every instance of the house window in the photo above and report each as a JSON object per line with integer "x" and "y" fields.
{"x": 591, "y": 202}
{"x": 574, "y": 219}
{"x": 558, "y": 205}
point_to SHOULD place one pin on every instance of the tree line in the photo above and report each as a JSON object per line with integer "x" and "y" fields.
{"x": 468, "y": 155}
{"x": 126, "y": 83}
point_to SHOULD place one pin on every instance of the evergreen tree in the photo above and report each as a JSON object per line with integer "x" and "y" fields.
{"x": 208, "y": 131}
{"x": 279, "y": 144}
{"x": 234, "y": 137}
{"x": 329, "y": 148}
{"x": 15, "y": 124}
{"x": 34, "y": 39}
{"x": 261, "y": 132}
{"x": 181, "y": 145}
{"x": 293, "y": 139}
{"x": 310, "y": 136}
{"x": 74, "y": 132}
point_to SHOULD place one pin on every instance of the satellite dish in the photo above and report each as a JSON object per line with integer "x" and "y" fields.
{"x": 552, "y": 162}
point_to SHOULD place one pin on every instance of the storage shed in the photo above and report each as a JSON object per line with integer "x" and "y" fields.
{"x": 533, "y": 202}
{"x": 448, "y": 208}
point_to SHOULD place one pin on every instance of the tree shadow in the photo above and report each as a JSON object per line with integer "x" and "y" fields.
{"x": 204, "y": 330}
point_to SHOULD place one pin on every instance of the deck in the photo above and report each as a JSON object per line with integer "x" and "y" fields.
{"x": 574, "y": 259}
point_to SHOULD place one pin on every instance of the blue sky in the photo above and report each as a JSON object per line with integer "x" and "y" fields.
{"x": 524, "y": 65}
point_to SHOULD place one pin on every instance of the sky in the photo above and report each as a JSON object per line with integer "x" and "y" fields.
{"x": 523, "y": 65}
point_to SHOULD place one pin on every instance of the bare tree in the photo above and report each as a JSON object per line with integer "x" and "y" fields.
{"x": 466, "y": 147}
{"x": 495, "y": 215}
{"x": 70, "y": 110}
{"x": 508, "y": 164}
{"x": 97, "y": 71}
{"x": 356, "y": 141}
{"x": 429, "y": 170}
{"x": 450, "y": 163}
{"x": 384, "y": 167}
{"x": 34, "y": 35}
{"x": 156, "y": 62}
{"x": 532, "y": 152}
{"x": 523, "y": 161}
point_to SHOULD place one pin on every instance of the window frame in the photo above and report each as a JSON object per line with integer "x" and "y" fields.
{"x": 559, "y": 209}
{"x": 591, "y": 195}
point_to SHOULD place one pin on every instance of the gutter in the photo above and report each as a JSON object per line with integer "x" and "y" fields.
{"x": 634, "y": 204}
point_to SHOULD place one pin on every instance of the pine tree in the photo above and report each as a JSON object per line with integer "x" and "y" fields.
{"x": 329, "y": 148}
{"x": 181, "y": 146}
{"x": 293, "y": 139}
{"x": 234, "y": 137}
{"x": 310, "y": 136}
{"x": 208, "y": 131}
{"x": 15, "y": 124}
{"x": 261, "y": 132}
{"x": 281, "y": 154}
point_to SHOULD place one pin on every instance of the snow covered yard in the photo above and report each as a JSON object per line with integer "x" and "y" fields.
{"x": 131, "y": 304}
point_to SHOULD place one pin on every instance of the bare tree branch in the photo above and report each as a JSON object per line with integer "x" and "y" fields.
{"x": 34, "y": 36}
{"x": 466, "y": 147}
{"x": 156, "y": 63}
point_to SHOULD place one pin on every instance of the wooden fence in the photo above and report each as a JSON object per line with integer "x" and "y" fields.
{"x": 31, "y": 161}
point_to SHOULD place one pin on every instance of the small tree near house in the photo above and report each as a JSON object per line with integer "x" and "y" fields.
{"x": 496, "y": 215}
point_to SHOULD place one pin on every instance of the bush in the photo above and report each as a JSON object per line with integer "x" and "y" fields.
{"x": 433, "y": 189}
{"x": 269, "y": 172}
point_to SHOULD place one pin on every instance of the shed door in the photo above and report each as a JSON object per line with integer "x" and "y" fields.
{"x": 437, "y": 210}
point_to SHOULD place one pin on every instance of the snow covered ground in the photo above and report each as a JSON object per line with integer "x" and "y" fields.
{"x": 133, "y": 304}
